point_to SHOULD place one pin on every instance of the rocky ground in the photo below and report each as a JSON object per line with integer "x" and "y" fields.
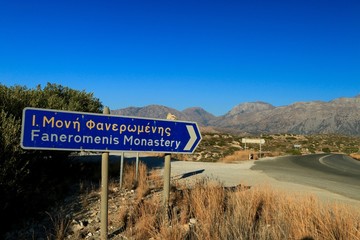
{"x": 79, "y": 218}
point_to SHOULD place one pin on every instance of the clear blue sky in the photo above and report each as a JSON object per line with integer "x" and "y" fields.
{"x": 212, "y": 54}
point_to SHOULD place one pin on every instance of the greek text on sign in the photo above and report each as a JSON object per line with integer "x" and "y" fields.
{"x": 75, "y": 131}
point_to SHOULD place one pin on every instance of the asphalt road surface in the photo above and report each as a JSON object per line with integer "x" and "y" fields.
{"x": 331, "y": 177}
{"x": 335, "y": 173}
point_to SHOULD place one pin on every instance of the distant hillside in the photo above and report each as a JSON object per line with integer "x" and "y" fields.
{"x": 151, "y": 111}
{"x": 199, "y": 115}
{"x": 195, "y": 114}
{"x": 233, "y": 117}
{"x": 249, "y": 107}
{"x": 340, "y": 116}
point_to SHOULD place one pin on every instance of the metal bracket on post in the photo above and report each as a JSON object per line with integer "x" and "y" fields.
{"x": 104, "y": 190}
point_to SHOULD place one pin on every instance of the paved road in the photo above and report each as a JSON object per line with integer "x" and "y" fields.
{"x": 336, "y": 173}
{"x": 331, "y": 177}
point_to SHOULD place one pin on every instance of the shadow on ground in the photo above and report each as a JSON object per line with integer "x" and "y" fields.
{"x": 188, "y": 174}
{"x": 92, "y": 164}
{"x": 150, "y": 162}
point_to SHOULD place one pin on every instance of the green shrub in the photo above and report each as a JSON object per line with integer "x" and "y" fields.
{"x": 326, "y": 150}
{"x": 28, "y": 179}
{"x": 294, "y": 152}
{"x": 350, "y": 149}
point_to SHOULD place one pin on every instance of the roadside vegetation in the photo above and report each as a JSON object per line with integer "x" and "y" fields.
{"x": 355, "y": 156}
{"x": 228, "y": 148}
{"x": 203, "y": 209}
{"x": 32, "y": 180}
{"x": 208, "y": 210}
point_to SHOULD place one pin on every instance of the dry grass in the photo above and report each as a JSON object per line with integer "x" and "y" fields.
{"x": 142, "y": 184}
{"x": 129, "y": 176}
{"x": 243, "y": 155}
{"x": 210, "y": 211}
{"x": 60, "y": 223}
{"x": 263, "y": 213}
{"x": 239, "y": 156}
{"x": 355, "y": 156}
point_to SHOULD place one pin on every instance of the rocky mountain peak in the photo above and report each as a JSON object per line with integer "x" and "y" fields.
{"x": 343, "y": 100}
{"x": 249, "y": 107}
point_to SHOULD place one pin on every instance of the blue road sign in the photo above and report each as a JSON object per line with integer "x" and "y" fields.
{"x": 76, "y": 131}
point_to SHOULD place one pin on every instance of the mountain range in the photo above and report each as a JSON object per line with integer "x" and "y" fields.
{"x": 339, "y": 116}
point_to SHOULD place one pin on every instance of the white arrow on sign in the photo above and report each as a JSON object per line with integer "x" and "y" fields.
{"x": 192, "y": 139}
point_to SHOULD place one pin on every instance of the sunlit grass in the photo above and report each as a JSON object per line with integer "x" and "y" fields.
{"x": 208, "y": 210}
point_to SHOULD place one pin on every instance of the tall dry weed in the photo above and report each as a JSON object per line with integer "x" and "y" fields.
{"x": 206, "y": 203}
{"x": 238, "y": 156}
{"x": 141, "y": 184}
{"x": 129, "y": 176}
{"x": 60, "y": 223}
{"x": 143, "y": 187}
{"x": 270, "y": 214}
